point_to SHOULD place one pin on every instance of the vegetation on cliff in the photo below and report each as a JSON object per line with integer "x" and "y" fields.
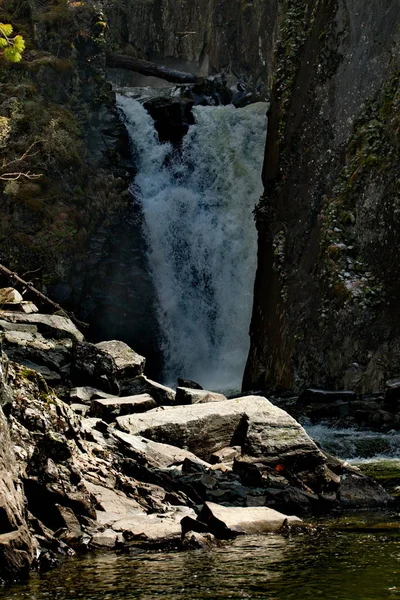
{"x": 47, "y": 102}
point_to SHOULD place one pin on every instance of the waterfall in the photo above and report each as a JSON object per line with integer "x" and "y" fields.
{"x": 197, "y": 205}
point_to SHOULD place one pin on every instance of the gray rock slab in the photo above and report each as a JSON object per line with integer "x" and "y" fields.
{"x": 156, "y": 454}
{"x": 50, "y": 376}
{"x": 128, "y": 362}
{"x": 50, "y": 325}
{"x": 112, "y": 505}
{"x": 25, "y": 346}
{"x": 206, "y": 428}
{"x": 104, "y": 539}
{"x": 163, "y": 395}
{"x": 228, "y": 521}
{"x": 85, "y": 394}
{"x": 153, "y": 528}
{"x": 193, "y": 396}
{"x": 111, "y": 408}
{"x": 7, "y": 326}
{"x": 225, "y": 455}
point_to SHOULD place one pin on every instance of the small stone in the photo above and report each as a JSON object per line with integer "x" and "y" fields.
{"x": 10, "y": 296}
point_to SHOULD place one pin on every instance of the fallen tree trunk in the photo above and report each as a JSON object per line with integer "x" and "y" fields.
{"x": 41, "y": 297}
{"x": 120, "y": 61}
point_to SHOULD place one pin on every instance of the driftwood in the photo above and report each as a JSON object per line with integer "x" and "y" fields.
{"x": 120, "y": 61}
{"x": 28, "y": 286}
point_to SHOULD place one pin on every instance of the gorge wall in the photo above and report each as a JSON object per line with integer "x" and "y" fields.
{"x": 326, "y": 309}
{"x": 234, "y": 36}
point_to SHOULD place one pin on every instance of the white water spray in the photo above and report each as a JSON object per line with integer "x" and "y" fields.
{"x": 197, "y": 208}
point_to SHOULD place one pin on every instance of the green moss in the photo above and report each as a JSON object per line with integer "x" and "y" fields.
{"x": 372, "y": 151}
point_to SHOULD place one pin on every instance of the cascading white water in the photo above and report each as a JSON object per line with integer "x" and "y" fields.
{"x": 197, "y": 207}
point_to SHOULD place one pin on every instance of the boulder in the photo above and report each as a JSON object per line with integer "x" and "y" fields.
{"x": 93, "y": 367}
{"x": 359, "y": 491}
{"x": 112, "y": 505}
{"x": 17, "y": 552}
{"x": 250, "y": 421}
{"x": 153, "y": 529}
{"x": 10, "y": 296}
{"x": 33, "y": 349}
{"x": 53, "y": 326}
{"x": 188, "y": 383}
{"x": 22, "y": 307}
{"x": 71, "y": 532}
{"x": 51, "y": 377}
{"x": 163, "y": 395}
{"x": 106, "y": 539}
{"x": 193, "y": 540}
{"x": 154, "y": 454}
{"x": 86, "y": 394}
{"x": 128, "y": 362}
{"x": 6, "y": 326}
{"x": 227, "y": 522}
{"x": 193, "y": 396}
{"x": 110, "y": 408}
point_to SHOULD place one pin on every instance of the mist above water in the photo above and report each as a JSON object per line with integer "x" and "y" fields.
{"x": 197, "y": 205}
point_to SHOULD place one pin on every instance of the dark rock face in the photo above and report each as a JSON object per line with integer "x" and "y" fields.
{"x": 214, "y": 36}
{"x": 17, "y": 546}
{"x": 326, "y": 307}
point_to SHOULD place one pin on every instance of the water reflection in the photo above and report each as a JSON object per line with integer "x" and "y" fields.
{"x": 333, "y": 566}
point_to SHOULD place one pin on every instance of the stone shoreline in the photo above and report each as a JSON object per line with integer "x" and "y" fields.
{"x": 94, "y": 455}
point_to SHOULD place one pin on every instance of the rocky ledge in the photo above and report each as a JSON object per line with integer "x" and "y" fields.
{"x": 94, "y": 455}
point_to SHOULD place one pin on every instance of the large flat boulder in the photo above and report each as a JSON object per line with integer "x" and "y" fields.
{"x": 53, "y": 326}
{"x": 153, "y": 529}
{"x": 128, "y": 362}
{"x": 109, "y": 409}
{"x": 251, "y": 421}
{"x": 195, "y": 396}
{"x": 229, "y": 521}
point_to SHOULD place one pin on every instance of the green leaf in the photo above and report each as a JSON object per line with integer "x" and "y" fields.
{"x": 6, "y": 29}
{"x": 3, "y": 42}
{"x": 12, "y": 54}
{"x": 19, "y": 43}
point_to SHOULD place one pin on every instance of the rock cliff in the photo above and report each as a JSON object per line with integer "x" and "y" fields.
{"x": 214, "y": 35}
{"x": 326, "y": 307}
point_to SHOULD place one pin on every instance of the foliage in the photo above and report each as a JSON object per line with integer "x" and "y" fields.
{"x": 11, "y": 47}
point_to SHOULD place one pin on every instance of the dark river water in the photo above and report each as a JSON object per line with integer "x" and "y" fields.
{"x": 333, "y": 565}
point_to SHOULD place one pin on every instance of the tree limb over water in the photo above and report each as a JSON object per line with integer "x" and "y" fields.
{"x": 120, "y": 61}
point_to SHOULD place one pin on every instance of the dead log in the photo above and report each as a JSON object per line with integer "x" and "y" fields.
{"x": 120, "y": 61}
{"x": 41, "y": 297}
